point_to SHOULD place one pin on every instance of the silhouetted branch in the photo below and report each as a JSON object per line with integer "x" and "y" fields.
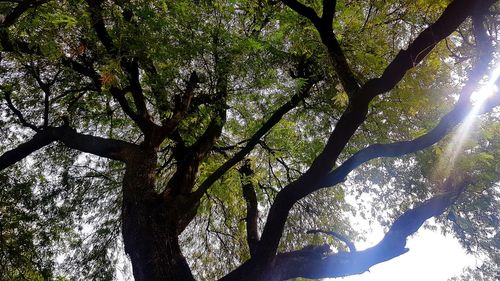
{"x": 95, "y": 9}
{"x": 456, "y": 12}
{"x": 18, "y": 113}
{"x": 325, "y": 265}
{"x": 108, "y": 148}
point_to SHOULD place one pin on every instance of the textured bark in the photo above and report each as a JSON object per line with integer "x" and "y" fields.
{"x": 149, "y": 230}
{"x": 251, "y": 202}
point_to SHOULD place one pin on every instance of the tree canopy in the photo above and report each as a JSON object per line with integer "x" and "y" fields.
{"x": 238, "y": 139}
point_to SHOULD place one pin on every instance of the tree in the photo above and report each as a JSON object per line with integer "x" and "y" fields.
{"x": 230, "y": 132}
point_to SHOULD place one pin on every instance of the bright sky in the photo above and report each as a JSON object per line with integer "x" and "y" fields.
{"x": 432, "y": 257}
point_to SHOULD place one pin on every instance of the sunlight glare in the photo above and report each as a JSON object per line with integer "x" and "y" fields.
{"x": 447, "y": 160}
{"x": 487, "y": 90}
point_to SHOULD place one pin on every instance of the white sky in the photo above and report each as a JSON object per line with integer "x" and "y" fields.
{"x": 432, "y": 257}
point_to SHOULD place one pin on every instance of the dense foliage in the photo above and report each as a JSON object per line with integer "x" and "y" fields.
{"x": 237, "y": 139}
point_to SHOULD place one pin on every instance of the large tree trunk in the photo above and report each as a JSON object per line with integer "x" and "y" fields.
{"x": 149, "y": 235}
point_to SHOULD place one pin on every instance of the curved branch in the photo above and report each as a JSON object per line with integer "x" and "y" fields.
{"x": 108, "y": 148}
{"x": 303, "y": 10}
{"x": 323, "y": 265}
{"x": 130, "y": 66}
{"x": 18, "y": 113}
{"x": 461, "y": 110}
{"x": 119, "y": 95}
{"x": 454, "y": 14}
{"x": 182, "y": 104}
{"x": 20, "y": 9}
{"x": 449, "y": 121}
{"x": 17, "y": 154}
{"x": 95, "y": 10}
{"x": 103, "y": 147}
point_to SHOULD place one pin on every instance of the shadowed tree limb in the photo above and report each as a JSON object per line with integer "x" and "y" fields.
{"x": 328, "y": 11}
{"x": 108, "y": 148}
{"x": 132, "y": 70}
{"x": 182, "y": 104}
{"x": 456, "y": 12}
{"x": 119, "y": 95}
{"x": 130, "y": 66}
{"x": 322, "y": 264}
{"x": 95, "y": 9}
{"x": 461, "y": 110}
{"x": 448, "y": 122}
{"x": 17, "y": 154}
{"x": 303, "y": 10}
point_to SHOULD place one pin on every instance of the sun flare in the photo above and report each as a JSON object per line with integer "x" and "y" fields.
{"x": 454, "y": 148}
{"x": 478, "y": 97}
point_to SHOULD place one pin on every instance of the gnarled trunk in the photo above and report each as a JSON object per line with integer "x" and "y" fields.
{"x": 149, "y": 235}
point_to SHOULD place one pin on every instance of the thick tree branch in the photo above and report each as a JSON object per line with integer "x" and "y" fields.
{"x": 84, "y": 70}
{"x": 303, "y": 10}
{"x": 324, "y": 265}
{"x": 182, "y": 104}
{"x": 461, "y": 110}
{"x": 9, "y": 45}
{"x": 119, "y": 95}
{"x": 214, "y": 129}
{"x": 103, "y": 147}
{"x": 108, "y": 148}
{"x": 340, "y": 64}
{"x": 328, "y": 11}
{"x": 318, "y": 262}
{"x": 184, "y": 177}
{"x": 143, "y": 122}
{"x": 17, "y": 154}
{"x": 448, "y": 122}
{"x": 130, "y": 66}
{"x": 132, "y": 69}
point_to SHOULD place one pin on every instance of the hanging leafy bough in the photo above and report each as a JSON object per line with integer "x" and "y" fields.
{"x": 178, "y": 123}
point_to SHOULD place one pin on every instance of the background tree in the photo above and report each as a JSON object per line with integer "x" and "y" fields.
{"x": 221, "y": 138}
